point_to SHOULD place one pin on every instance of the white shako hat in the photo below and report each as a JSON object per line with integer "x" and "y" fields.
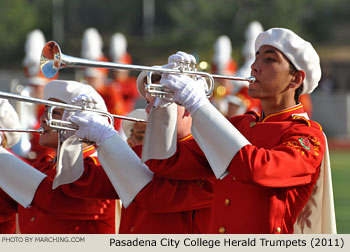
{"x": 253, "y": 30}
{"x": 118, "y": 47}
{"x": 222, "y": 53}
{"x": 91, "y": 44}
{"x": 300, "y": 52}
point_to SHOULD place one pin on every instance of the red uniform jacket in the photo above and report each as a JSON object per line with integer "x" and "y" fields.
{"x": 129, "y": 92}
{"x": 270, "y": 181}
{"x": 8, "y": 209}
{"x": 176, "y": 200}
{"x": 113, "y": 97}
{"x": 80, "y": 207}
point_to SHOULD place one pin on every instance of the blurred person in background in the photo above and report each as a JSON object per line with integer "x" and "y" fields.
{"x": 8, "y": 119}
{"x": 65, "y": 194}
{"x": 33, "y": 86}
{"x": 238, "y": 100}
{"x": 223, "y": 64}
{"x": 92, "y": 45}
{"x": 121, "y": 79}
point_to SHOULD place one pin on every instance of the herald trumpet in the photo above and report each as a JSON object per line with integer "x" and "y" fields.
{"x": 61, "y": 124}
{"x": 52, "y": 60}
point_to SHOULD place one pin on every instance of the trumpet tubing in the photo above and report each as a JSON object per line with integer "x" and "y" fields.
{"x": 39, "y": 131}
{"x": 63, "y": 125}
{"x": 52, "y": 60}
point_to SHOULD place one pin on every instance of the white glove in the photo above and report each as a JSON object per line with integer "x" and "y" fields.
{"x": 80, "y": 100}
{"x": 84, "y": 100}
{"x": 92, "y": 126}
{"x": 188, "y": 92}
{"x": 182, "y": 58}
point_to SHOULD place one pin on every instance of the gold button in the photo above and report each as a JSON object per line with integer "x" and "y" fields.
{"x": 132, "y": 229}
{"x": 234, "y": 178}
{"x": 32, "y": 219}
{"x": 278, "y": 230}
{"x": 252, "y": 124}
{"x": 227, "y": 202}
{"x": 222, "y": 230}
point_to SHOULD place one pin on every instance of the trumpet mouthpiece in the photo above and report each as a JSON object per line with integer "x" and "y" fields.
{"x": 251, "y": 79}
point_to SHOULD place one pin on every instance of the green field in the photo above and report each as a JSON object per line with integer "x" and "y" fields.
{"x": 340, "y": 164}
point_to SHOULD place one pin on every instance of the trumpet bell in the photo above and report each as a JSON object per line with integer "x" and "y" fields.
{"x": 50, "y": 60}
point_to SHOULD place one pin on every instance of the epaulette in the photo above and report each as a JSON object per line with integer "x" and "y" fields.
{"x": 307, "y": 121}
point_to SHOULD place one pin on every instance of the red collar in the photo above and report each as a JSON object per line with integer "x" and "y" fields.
{"x": 88, "y": 151}
{"x": 283, "y": 114}
{"x": 186, "y": 138}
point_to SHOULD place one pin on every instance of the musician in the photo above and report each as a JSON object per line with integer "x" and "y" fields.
{"x": 8, "y": 119}
{"x": 268, "y": 163}
{"x": 238, "y": 101}
{"x": 223, "y": 64}
{"x": 92, "y": 45}
{"x": 34, "y": 83}
{"x": 121, "y": 79}
{"x": 171, "y": 201}
{"x": 63, "y": 194}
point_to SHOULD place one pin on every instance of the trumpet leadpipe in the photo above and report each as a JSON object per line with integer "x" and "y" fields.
{"x": 39, "y": 131}
{"x": 235, "y": 78}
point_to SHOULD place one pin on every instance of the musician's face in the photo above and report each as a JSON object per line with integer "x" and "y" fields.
{"x": 137, "y": 134}
{"x": 272, "y": 72}
{"x": 50, "y": 137}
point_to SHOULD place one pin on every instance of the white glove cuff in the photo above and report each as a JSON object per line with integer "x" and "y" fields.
{"x": 161, "y": 133}
{"x": 195, "y": 106}
{"x": 123, "y": 168}
{"x": 18, "y": 179}
{"x": 217, "y": 137}
{"x": 105, "y": 133}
